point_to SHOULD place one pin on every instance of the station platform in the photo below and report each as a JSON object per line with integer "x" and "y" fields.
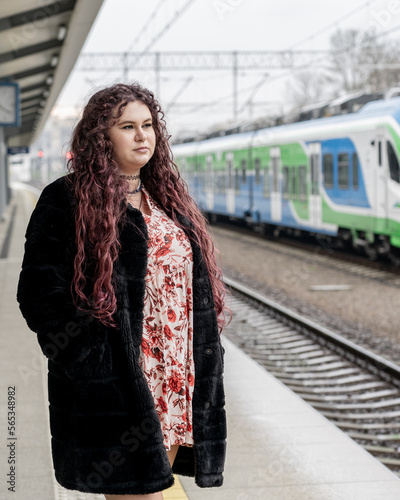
{"x": 278, "y": 447}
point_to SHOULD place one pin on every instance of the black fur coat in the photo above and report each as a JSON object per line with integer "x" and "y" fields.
{"x": 106, "y": 436}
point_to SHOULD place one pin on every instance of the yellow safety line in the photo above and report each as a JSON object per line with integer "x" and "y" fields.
{"x": 34, "y": 198}
{"x": 175, "y": 492}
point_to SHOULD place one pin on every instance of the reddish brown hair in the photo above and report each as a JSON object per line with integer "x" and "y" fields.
{"x": 100, "y": 193}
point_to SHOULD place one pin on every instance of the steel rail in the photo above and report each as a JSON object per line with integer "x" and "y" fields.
{"x": 353, "y": 387}
{"x": 356, "y": 352}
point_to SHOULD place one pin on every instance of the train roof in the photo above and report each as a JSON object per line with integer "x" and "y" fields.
{"x": 322, "y": 126}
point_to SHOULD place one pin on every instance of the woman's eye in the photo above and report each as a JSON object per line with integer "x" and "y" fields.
{"x": 127, "y": 126}
{"x": 148, "y": 125}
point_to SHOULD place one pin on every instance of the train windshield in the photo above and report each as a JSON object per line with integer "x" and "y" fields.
{"x": 393, "y": 163}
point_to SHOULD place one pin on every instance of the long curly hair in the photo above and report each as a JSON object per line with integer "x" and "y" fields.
{"x": 100, "y": 194}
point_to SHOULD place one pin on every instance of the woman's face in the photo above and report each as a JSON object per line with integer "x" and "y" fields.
{"x": 133, "y": 137}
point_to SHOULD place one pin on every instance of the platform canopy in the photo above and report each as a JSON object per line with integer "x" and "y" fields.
{"x": 40, "y": 41}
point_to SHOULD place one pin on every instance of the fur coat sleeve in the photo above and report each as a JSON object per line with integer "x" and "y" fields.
{"x": 44, "y": 294}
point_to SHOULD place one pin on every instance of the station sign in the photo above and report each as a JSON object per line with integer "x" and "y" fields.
{"x": 18, "y": 150}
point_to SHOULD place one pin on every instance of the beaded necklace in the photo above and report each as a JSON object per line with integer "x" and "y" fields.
{"x": 137, "y": 190}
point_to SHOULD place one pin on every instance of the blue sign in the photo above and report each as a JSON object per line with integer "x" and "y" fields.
{"x": 18, "y": 150}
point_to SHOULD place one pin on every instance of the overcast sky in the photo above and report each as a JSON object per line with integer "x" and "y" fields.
{"x": 220, "y": 25}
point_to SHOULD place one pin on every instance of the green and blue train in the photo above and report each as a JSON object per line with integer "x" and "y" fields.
{"x": 337, "y": 176}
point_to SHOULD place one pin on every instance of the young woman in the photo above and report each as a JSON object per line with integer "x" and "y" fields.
{"x": 119, "y": 280}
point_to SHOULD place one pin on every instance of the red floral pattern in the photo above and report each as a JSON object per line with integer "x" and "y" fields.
{"x": 166, "y": 355}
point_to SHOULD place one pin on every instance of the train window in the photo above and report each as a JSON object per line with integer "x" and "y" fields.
{"x": 393, "y": 163}
{"x": 244, "y": 166}
{"x": 257, "y": 166}
{"x": 355, "y": 171}
{"x": 230, "y": 168}
{"x": 343, "y": 167}
{"x": 266, "y": 182}
{"x": 275, "y": 174}
{"x": 294, "y": 192}
{"x": 328, "y": 170}
{"x": 182, "y": 167}
{"x": 314, "y": 173}
{"x": 302, "y": 183}
{"x": 220, "y": 184}
{"x": 286, "y": 181}
{"x": 209, "y": 181}
{"x": 237, "y": 187}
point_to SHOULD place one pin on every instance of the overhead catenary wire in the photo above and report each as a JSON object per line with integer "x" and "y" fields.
{"x": 333, "y": 24}
{"x": 177, "y": 14}
{"x": 291, "y": 71}
{"x": 254, "y": 89}
{"x": 146, "y": 24}
{"x": 166, "y": 28}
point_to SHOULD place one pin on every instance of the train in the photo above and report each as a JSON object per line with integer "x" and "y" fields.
{"x": 336, "y": 178}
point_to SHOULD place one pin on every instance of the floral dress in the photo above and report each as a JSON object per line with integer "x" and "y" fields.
{"x": 166, "y": 354}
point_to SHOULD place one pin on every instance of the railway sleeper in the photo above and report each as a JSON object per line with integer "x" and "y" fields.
{"x": 289, "y": 345}
{"x": 390, "y": 462}
{"x": 374, "y": 450}
{"x": 391, "y": 403}
{"x": 345, "y": 395}
{"x": 374, "y": 437}
{"x": 328, "y": 375}
{"x": 315, "y": 368}
{"x": 320, "y": 359}
{"x": 315, "y": 353}
{"x": 279, "y": 351}
{"x": 332, "y": 383}
{"x": 287, "y": 336}
{"x": 367, "y": 426}
{"x": 272, "y": 329}
{"x": 298, "y": 365}
{"x": 273, "y": 336}
{"x": 348, "y": 388}
{"x": 262, "y": 322}
{"x": 360, "y": 416}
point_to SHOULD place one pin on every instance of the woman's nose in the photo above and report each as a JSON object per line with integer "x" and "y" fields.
{"x": 140, "y": 135}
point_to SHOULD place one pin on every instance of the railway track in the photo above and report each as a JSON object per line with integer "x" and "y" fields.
{"x": 354, "y": 388}
{"x": 318, "y": 252}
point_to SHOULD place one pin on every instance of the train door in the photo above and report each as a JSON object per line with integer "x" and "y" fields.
{"x": 230, "y": 184}
{"x": 315, "y": 174}
{"x": 209, "y": 183}
{"x": 381, "y": 179}
{"x": 276, "y": 192}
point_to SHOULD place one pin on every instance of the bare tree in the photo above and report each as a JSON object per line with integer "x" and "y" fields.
{"x": 307, "y": 87}
{"x": 362, "y": 62}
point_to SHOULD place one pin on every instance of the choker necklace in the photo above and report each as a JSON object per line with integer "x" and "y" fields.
{"x": 137, "y": 190}
{"x": 131, "y": 177}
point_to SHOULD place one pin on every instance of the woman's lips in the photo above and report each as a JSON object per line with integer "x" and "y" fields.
{"x": 142, "y": 150}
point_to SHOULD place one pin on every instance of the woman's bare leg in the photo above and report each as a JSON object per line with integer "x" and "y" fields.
{"x": 172, "y": 453}
{"x": 152, "y": 496}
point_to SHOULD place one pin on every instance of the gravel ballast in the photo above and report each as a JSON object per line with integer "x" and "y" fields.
{"x": 366, "y": 313}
